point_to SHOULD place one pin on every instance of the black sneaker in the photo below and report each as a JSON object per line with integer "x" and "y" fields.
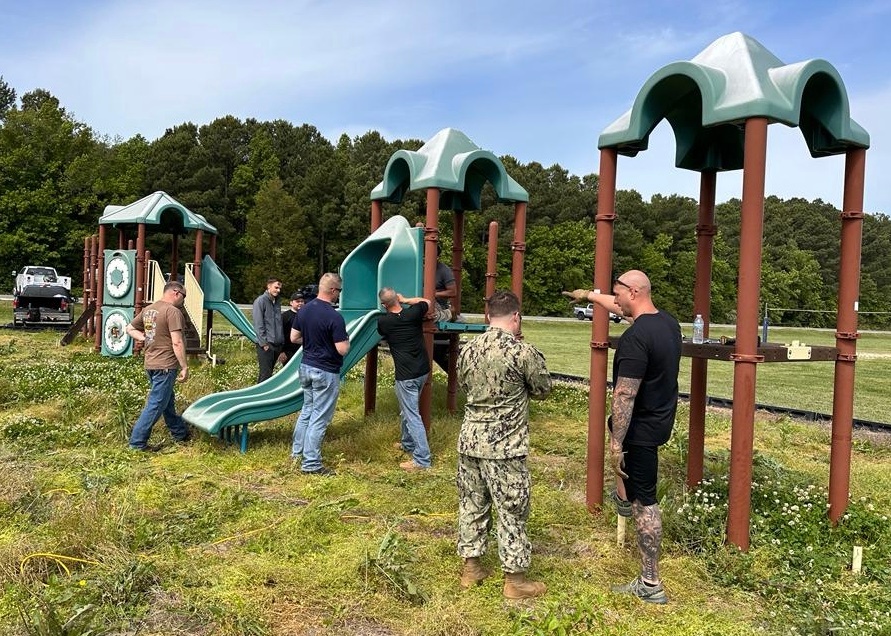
{"x": 322, "y": 471}
{"x": 623, "y": 506}
{"x": 645, "y": 592}
{"x": 148, "y": 448}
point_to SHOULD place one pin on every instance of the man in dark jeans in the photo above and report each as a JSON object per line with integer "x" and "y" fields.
{"x": 645, "y": 399}
{"x": 159, "y": 329}
{"x": 267, "y": 319}
{"x": 402, "y": 329}
{"x": 322, "y": 330}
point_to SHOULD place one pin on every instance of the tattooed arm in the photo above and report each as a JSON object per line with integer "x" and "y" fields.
{"x": 624, "y": 394}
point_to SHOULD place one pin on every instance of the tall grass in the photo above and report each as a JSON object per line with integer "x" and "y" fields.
{"x": 204, "y": 540}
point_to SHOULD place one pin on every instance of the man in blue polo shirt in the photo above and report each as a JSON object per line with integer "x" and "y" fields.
{"x": 322, "y": 331}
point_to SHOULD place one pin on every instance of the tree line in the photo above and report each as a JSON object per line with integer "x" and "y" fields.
{"x": 288, "y": 202}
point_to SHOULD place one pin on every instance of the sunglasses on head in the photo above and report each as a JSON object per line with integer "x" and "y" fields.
{"x": 617, "y": 281}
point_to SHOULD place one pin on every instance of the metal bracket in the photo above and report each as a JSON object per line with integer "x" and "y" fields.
{"x": 743, "y": 357}
{"x": 847, "y": 335}
{"x": 798, "y": 351}
{"x": 706, "y": 230}
{"x": 846, "y": 357}
{"x": 852, "y": 214}
{"x": 599, "y": 345}
{"x": 608, "y": 216}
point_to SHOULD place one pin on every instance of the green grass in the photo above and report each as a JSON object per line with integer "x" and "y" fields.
{"x": 204, "y": 540}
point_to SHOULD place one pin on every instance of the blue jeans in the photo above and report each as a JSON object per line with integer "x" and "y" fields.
{"x": 160, "y": 402}
{"x": 320, "y": 391}
{"x": 414, "y": 435}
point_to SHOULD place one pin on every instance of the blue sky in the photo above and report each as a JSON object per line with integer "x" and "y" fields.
{"x": 536, "y": 80}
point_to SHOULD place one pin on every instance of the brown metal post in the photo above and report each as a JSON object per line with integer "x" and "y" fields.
{"x": 746, "y": 356}
{"x": 491, "y": 265}
{"x": 95, "y": 278}
{"x": 86, "y": 277}
{"x": 140, "y": 267}
{"x": 87, "y": 281}
{"x": 705, "y": 238}
{"x": 122, "y": 238}
{"x": 199, "y": 253}
{"x": 100, "y": 283}
{"x": 603, "y": 263}
{"x": 457, "y": 256}
{"x": 457, "y": 268}
{"x": 846, "y": 333}
{"x": 371, "y": 359}
{"x": 431, "y": 238}
{"x": 518, "y": 247}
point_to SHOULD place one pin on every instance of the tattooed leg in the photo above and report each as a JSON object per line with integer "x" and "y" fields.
{"x": 648, "y": 520}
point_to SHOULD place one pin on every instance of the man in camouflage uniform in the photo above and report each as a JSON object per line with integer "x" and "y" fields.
{"x": 498, "y": 373}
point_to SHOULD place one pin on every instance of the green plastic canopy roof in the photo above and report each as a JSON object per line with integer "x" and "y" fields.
{"x": 158, "y": 208}
{"x": 455, "y": 165}
{"x": 708, "y": 99}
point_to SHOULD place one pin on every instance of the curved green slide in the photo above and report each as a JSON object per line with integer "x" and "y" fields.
{"x": 392, "y": 257}
{"x": 216, "y": 285}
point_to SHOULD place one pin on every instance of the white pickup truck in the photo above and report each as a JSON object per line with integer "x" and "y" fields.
{"x": 41, "y": 296}
{"x": 586, "y": 312}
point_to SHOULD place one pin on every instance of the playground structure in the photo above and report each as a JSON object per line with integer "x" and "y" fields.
{"x": 719, "y": 106}
{"x": 453, "y": 171}
{"x": 119, "y": 282}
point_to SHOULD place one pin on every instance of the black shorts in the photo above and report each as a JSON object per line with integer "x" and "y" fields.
{"x": 641, "y": 465}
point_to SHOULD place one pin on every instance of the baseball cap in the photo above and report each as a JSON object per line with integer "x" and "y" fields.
{"x": 297, "y": 296}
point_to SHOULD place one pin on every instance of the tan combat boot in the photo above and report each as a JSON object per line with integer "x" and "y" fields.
{"x": 474, "y": 573}
{"x": 517, "y": 586}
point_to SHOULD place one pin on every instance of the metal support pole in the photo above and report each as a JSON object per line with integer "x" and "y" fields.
{"x": 371, "y": 360}
{"x": 431, "y": 238}
{"x": 764, "y": 325}
{"x": 745, "y": 358}
{"x": 457, "y": 268}
{"x": 199, "y": 254}
{"x": 100, "y": 284}
{"x": 603, "y": 264}
{"x": 705, "y": 238}
{"x": 491, "y": 265}
{"x": 846, "y": 333}
{"x": 518, "y": 247}
{"x": 140, "y": 268}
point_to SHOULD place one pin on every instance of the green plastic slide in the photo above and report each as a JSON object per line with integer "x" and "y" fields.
{"x": 390, "y": 257}
{"x": 281, "y": 394}
{"x": 216, "y": 285}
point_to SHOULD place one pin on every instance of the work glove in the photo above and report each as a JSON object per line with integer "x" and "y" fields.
{"x": 617, "y": 459}
{"x": 578, "y": 295}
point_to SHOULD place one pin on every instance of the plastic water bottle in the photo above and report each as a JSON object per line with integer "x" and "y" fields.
{"x": 698, "y": 330}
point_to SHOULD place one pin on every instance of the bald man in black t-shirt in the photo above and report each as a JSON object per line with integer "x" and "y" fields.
{"x": 403, "y": 330}
{"x": 645, "y": 397}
